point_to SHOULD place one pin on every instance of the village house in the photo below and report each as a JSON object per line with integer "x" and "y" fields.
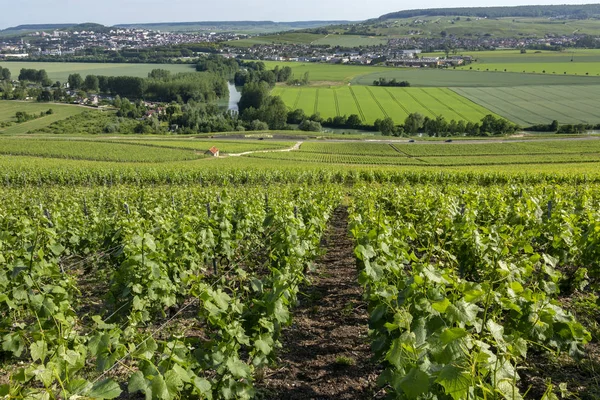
{"x": 213, "y": 151}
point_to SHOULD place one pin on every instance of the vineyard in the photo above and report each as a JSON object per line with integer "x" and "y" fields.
{"x": 139, "y": 268}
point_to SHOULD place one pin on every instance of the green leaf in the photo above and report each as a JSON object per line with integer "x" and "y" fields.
{"x": 264, "y": 343}
{"x": 39, "y": 350}
{"x": 106, "y": 389}
{"x": 463, "y": 312}
{"x": 14, "y": 343}
{"x": 203, "y": 386}
{"x": 415, "y": 383}
{"x": 452, "y": 334}
{"x": 455, "y": 381}
{"x": 57, "y": 249}
{"x": 159, "y": 388}
{"x": 237, "y": 368}
{"x": 441, "y": 306}
{"x": 137, "y": 383}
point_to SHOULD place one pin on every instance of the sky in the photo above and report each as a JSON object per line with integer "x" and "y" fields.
{"x": 111, "y": 12}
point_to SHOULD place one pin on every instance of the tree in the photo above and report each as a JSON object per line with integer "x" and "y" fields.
{"x": 4, "y": 74}
{"x": 385, "y": 126}
{"x": 91, "y": 83}
{"x": 310, "y": 126}
{"x": 254, "y": 94}
{"x": 413, "y": 123}
{"x": 258, "y": 125}
{"x": 75, "y": 81}
{"x": 353, "y": 121}
{"x": 554, "y": 126}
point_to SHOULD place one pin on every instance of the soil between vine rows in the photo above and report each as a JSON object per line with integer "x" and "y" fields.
{"x": 326, "y": 352}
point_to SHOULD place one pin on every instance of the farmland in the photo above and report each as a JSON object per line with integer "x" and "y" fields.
{"x": 569, "y": 62}
{"x": 539, "y": 104}
{"x": 311, "y": 38}
{"x": 371, "y": 103}
{"x": 8, "y": 109}
{"x": 179, "y": 256}
{"x": 59, "y": 71}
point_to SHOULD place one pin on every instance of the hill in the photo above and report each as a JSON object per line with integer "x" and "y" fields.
{"x": 233, "y": 26}
{"x": 574, "y": 11}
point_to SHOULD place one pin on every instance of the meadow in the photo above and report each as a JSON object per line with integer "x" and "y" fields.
{"x": 529, "y": 105}
{"x": 371, "y": 103}
{"x": 326, "y": 74}
{"x": 8, "y": 109}
{"x": 60, "y": 71}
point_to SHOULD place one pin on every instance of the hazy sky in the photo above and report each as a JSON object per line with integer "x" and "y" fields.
{"x": 110, "y": 12}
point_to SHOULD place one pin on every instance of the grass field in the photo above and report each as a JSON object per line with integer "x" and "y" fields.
{"x": 430, "y": 77}
{"x": 8, "y": 109}
{"x": 328, "y": 73}
{"x": 59, "y": 71}
{"x": 584, "y": 62}
{"x": 371, "y": 103}
{"x": 539, "y": 104}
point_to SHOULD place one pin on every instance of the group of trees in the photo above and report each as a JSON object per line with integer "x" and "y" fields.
{"x": 160, "y": 85}
{"x": 5, "y": 74}
{"x": 393, "y": 82}
{"x": 35, "y": 75}
{"x": 416, "y": 123}
{"x": 23, "y": 116}
{"x": 256, "y": 72}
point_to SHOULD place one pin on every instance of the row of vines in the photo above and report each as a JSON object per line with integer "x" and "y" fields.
{"x": 172, "y": 292}
{"x": 464, "y": 283}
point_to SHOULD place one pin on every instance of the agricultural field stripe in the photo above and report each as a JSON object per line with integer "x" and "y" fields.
{"x": 537, "y": 97}
{"x": 316, "y": 109}
{"x": 337, "y": 105}
{"x": 478, "y": 108}
{"x": 591, "y": 108}
{"x": 297, "y": 99}
{"x": 500, "y": 110}
{"x": 397, "y": 101}
{"x": 488, "y": 92}
{"x": 407, "y": 155}
{"x": 377, "y": 102}
{"x": 529, "y": 93}
{"x": 448, "y": 106}
{"x": 362, "y": 116}
{"x": 420, "y": 103}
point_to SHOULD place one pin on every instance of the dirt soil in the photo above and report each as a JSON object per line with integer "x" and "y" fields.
{"x": 326, "y": 353}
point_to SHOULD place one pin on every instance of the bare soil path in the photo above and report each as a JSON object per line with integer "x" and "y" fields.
{"x": 326, "y": 353}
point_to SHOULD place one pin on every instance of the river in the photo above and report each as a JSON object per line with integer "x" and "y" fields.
{"x": 234, "y": 97}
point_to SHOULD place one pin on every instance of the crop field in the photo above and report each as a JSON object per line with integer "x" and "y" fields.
{"x": 59, "y": 71}
{"x": 93, "y": 150}
{"x": 433, "y": 77}
{"x": 225, "y": 146}
{"x": 569, "y": 62}
{"x": 371, "y": 103}
{"x": 133, "y": 267}
{"x": 442, "y": 154}
{"x": 8, "y": 109}
{"x": 321, "y": 73}
{"x": 540, "y": 104}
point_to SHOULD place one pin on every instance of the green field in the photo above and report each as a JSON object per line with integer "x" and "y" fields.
{"x": 59, "y": 71}
{"x": 8, "y": 109}
{"x": 320, "y": 73}
{"x": 371, "y": 103}
{"x": 540, "y": 104}
{"x": 94, "y": 150}
{"x": 432, "y": 26}
{"x": 225, "y": 146}
{"x": 568, "y": 62}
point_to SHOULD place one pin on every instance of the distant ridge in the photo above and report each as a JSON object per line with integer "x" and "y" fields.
{"x": 574, "y": 11}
